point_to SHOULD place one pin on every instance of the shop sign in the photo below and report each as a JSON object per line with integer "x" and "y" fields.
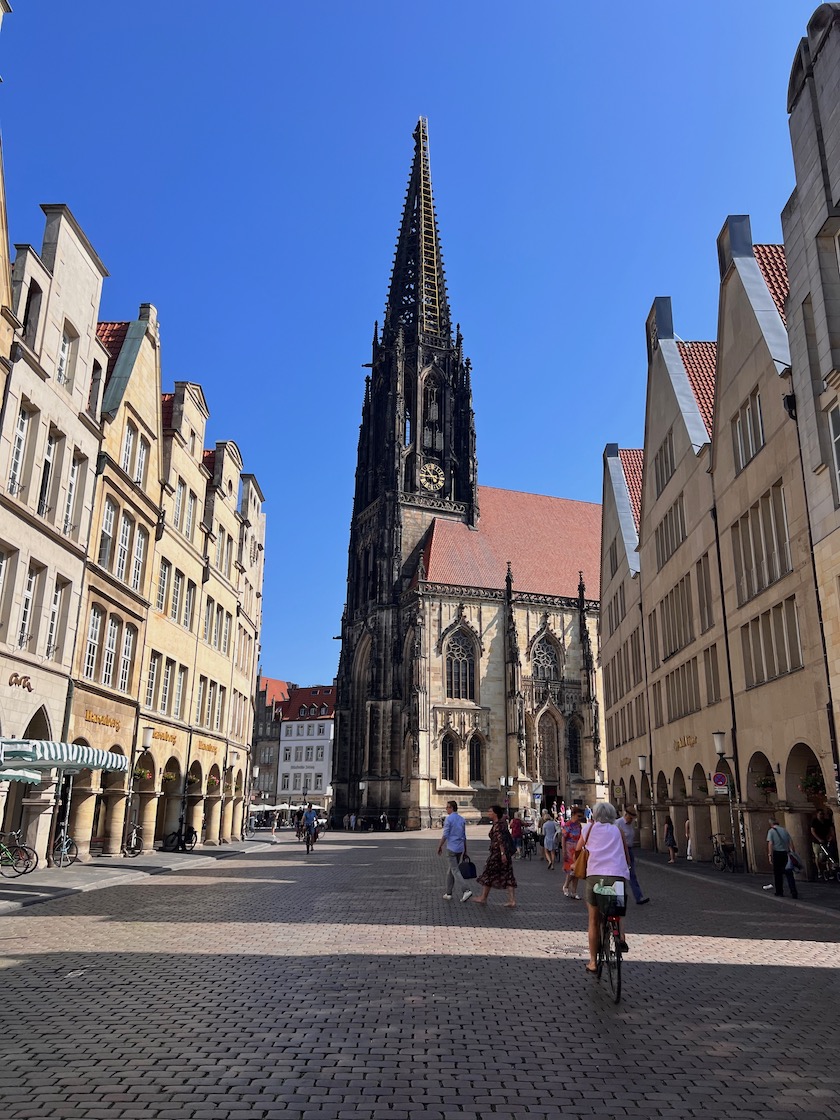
{"x": 17, "y": 681}
{"x": 166, "y": 736}
{"x": 685, "y": 741}
{"x": 205, "y": 746}
{"x": 102, "y": 720}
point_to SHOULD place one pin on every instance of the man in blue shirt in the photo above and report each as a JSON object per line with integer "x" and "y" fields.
{"x": 310, "y": 823}
{"x": 455, "y": 839}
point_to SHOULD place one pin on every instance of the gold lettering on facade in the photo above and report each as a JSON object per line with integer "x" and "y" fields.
{"x": 167, "y": 736}
{"x": 204, "y": 746}
{"x": 17, "y": 681}
{"x": 685, "y": 741}
{"x": 103, "y": 721}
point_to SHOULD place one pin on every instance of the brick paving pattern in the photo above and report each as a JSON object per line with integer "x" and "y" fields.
{"x": 341, "y": 985}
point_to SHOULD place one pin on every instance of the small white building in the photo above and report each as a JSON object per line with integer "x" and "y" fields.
{"x": 304, "y": 768}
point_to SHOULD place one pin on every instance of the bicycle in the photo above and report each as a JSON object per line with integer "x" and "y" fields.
{"x": 611, "y": 944}
{"x": 13, "y": 859}
{"x": 173, "y": 842}
{"x": 311, "y": 835}
{"x": 64, "y": 850}
{"x": 723, "y": 855}
{"x": 13, "y": 840}
{"x": 828, "y": 869}
{"x": 134, "y": 841}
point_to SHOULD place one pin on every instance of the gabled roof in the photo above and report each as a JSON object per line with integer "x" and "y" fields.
{"x": 208, "y": 458}
{"x": 112, "y": 337}
{"x": 699, "y": 361}
{"x": 548, "y": 541}
{"x": 771, "y": 261}
{"x": 317, "y": 696}
{"x": 276, "y": 692}
{"x": 633, "y": 465}
{"x": 167, "y": 403}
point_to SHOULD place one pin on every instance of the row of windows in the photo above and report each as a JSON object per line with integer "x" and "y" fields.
{"x": 297, "y": 782}
{"x": 623, "y": 671}
{"x": 135, "y": 454}
{"x": 670, "y": 533}
{"x": 770, "y": 643}
{"x": 312, "y": 711}
{"x": 64, "y": 514}
{"x": 677, "y": 617}
{"x": 42, "y": 602}
{"x": 122, "y": 545}
{"x": 616, "y": 609}
{"x": 627, "y": 723}
{"x": 298, "y": 728}
{"x": 110, "y": 649}
{"x": 747, "y": 431}
{"x": 224, "y": 551}
{"x": 313, "y": 754}
{"x": 166, "y": 686}
{"x": 760, "y": 544}
{"x": 663, "y": 462}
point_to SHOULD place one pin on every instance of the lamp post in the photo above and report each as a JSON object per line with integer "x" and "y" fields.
{"x": 255, "y": 773}
{"x": 719, "y": 738}
{"x": 643, "y": 762}
{"x": 505, "y": 785}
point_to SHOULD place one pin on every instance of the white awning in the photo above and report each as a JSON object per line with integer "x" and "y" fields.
{"x": 31, "y": 777}
{"x": 43, "y": 754}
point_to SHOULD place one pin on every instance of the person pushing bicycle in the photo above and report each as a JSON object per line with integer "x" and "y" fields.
{"x": 310, "y": 824}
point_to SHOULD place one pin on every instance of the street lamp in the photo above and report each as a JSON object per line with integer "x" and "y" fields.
{"x": 643, "y": 770}
{"x": 719, "y": 738}
{"x": 505, "y": 785}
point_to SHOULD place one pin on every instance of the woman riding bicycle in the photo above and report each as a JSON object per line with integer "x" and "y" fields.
{"x": 608, "y": 861}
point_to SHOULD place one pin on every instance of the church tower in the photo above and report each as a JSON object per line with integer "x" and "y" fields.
{"x": 416, "y": 463}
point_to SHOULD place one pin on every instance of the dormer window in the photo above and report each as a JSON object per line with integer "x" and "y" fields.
{"x": 302, "y": 711}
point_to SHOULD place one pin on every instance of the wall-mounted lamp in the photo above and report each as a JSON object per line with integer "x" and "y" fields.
{"x": 643, "y": 763}
{"x": 148, "y": 735}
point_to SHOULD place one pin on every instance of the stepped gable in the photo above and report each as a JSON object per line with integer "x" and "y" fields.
{"x": 548, "y": 542}
{"x": 699, "y": 360}
{"x": 771, "y": 261}
{"x": 632, "y": 463}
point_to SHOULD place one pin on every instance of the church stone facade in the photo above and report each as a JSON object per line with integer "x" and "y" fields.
{"x": 468, "y": 666}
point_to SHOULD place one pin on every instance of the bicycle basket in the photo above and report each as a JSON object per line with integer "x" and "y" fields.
{"x": 610, "y": 905}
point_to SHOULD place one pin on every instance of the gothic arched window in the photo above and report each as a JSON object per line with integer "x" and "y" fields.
{"x": 432, "y": 425}
{"x": 447, "y": 759}
{"x": 460, "y": 667}
{"x": 544, "y": 661}
{"x": 476, "y": 771}
{"x": 574, "y": 748}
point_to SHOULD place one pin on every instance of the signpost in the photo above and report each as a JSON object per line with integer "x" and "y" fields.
{"x": 721, "y": 782}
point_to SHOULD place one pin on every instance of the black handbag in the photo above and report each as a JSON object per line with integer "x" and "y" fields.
{"x": 466, "y": 867}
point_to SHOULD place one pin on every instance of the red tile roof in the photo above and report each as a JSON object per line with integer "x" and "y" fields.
{"x": 275, "y": 691}
{"x": 208, "y": 458}
{"x": 318, "y": 696}
{"x": 112, "y": 337}
{"x": 547, "y": 541}
{"x": 699, "y": 361}
{"x": 771, "y": 261}
{"x": 632, "y": 463}
{"x": 166, "y": 405}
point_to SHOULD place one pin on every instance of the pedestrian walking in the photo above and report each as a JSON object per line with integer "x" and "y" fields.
{"x": 670, "y": 841}
{"x": 274, "y": 822}
{"x": 346, "y": 822}
{"x": 779, "y": 847}
{"x": 516, "y": 833}
{"x": 549, "y": 841}
{"x": 498, "y": 870}
{"x": 627, "y": 827}
{"x": 570, "y": 832}
{"x": 352, "y": 822}
{"x": 689, "y": 855}
{"x": 454, "y": 840}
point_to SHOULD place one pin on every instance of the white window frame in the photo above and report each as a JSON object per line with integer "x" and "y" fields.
{"x": 123, "y": 546}
{"x": 126, "y": 658}
{"x": 92, "y": 642}
{"x": 109, "y": 654}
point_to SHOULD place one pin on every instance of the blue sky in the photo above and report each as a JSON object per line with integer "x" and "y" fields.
{"x": 243, "y": 166}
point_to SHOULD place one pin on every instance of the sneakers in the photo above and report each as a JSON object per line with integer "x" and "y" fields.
{"x": 466, "y": 895}
{"x": 643, "y": 901}
{"x": 447, "y": 897}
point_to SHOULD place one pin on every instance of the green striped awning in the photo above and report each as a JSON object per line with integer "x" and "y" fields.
{"x": 43, "y": 754}
{"x": 31, "y": 777}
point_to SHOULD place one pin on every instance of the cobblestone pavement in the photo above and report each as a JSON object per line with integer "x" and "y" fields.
{"x": 342, "y": 985}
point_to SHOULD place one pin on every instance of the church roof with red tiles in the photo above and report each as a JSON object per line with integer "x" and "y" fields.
{"x": 112, "y": 337}
{"x": 548, "y": 541}
{"x": 771, "y": 261}
{"x": 307, "y": 703}
{"x": 632, "y": 463}
{"x": 699, "y": 361}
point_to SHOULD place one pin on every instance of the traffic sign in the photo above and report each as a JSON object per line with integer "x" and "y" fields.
{"x": 538, "y": 797}
{"x": 720, "y": 779}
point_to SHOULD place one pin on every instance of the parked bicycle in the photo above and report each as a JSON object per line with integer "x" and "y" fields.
{"x": 828, "y": 869}
{"x": 174, "y": 842}
{"x": 64, "y": 850}
{"x": 611, "y": 944}
{"x": 15, "y": 839}
{"x": 723, "y": 854}
{"x": 134, "y": 841}
{"x": 16, "y": 858}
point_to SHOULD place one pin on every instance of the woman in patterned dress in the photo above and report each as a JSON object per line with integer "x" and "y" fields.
{"x": 498, "y": 871}
{"x": 571, "y": 834}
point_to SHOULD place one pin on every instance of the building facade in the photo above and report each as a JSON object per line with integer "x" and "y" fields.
{"x": 265, "y": 754}
{"x": 307, "y": 734}
{"x": 469, "y": 637}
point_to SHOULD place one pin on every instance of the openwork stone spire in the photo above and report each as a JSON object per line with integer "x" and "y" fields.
{"x": 417, "y": 300}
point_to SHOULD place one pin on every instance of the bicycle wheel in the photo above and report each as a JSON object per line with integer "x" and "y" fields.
{"x": 25, "y": 856}
{"x": 600, "y": 960}
{"x": 170, "y": 843}
{"x": 612, "y": 958}
{"x": 134, "y": 846}
{"x": 7, "y": 864}
{"x": 65, "y": 853}
{"x": 191, "y": 839}
{"x": 308, "y": 841}
{"x": 718, "y": 861}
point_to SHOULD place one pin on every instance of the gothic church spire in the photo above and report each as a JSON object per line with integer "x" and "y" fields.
{"x": 417, "y": 300}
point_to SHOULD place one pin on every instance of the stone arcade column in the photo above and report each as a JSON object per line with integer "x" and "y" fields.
{"x": 82, "y": 809}
{"x": 148, "y": 819}
{"x": 214, "y": 813}
{"x": 36, "y": 815}
{"x": 195, "y": 813}
{"x": 116, "y": 799}
{"x": 236, "y": 829}
{"x": 227, "y": 820}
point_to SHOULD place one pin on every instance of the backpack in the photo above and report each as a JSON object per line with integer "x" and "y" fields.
{"x": 508, "y": 843}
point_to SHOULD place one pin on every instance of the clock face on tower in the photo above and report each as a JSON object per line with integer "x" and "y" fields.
{"x": 431, "y": 476}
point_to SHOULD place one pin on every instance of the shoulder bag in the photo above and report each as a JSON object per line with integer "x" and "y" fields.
{"x": 466, "y": 868}
{"x": 581, "y": 859}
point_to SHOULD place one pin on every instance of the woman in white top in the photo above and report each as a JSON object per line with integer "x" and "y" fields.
{"x": 608, "y": 860}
